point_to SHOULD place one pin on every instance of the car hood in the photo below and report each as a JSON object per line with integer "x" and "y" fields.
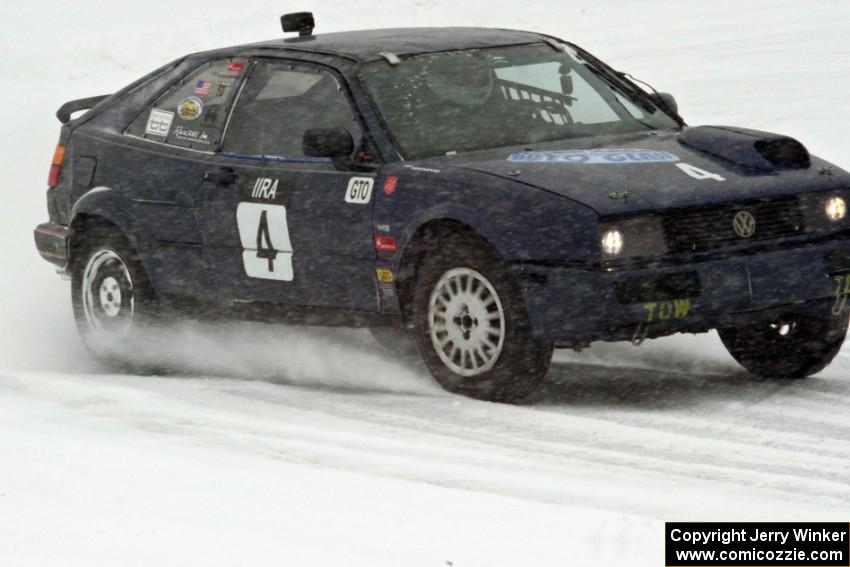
{"x": 662, "y": 169}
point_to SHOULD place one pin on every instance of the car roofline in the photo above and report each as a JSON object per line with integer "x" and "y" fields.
{"x": 359, "y": 54}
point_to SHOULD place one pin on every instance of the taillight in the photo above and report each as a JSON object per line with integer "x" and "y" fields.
{"x": 56, "y": 166}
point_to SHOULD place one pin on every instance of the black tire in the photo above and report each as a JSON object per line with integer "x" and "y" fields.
{"x": 121, "y": 304}
{"x": 508, "y": 373}
{"x": 399, "y": 342}
{"x": 788, "y": 348}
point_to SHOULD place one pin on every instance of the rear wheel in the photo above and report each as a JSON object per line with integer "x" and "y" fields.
{"x": 111, "y": 296}
{"x": 472, "y": 325}
{"x": 790, "y": 347}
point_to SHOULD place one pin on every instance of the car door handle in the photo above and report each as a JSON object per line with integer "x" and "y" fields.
{"x": 223, "y": 176}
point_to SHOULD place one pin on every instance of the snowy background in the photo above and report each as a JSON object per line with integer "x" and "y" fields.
{"x": 281, "y": 446}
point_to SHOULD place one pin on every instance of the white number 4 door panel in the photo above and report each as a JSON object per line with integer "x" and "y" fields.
{"x": 266, "y": 249}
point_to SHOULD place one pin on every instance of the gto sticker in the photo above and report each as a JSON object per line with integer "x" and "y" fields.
{"x": 159, "y": 122}
{"x": 359, "y": 190}
{"x": 190, "y": 108}
{"x": 599, "y": 156}
{"x": 663, "y": 310}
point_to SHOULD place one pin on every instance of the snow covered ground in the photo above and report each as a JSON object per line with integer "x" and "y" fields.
{"x": 279, "y": 446}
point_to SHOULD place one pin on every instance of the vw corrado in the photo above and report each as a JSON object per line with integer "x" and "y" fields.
{"x": 492, "y": 193}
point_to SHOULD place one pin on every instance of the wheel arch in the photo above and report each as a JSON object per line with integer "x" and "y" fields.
{"x": 425, "y": 238}
{"x": 85, "y": 223}
{"x": 100, "y": 208}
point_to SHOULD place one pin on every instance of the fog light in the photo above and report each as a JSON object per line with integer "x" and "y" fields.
{"x": 612, "y": 242}
{"x": 836, "y": 209}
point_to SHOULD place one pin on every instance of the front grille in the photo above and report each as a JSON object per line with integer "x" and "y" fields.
{"x": 706, "y": 228}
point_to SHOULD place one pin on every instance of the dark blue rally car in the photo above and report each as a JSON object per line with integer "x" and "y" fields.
{"x": 491, "y": 193}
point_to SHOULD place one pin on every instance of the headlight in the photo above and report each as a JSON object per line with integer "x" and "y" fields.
{"x": 622, "y": 238}
{"x": 612, "y": 242}
{"x": 835, "y": 209}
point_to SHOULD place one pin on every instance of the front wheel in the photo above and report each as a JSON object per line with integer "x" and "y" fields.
{"x": 790, "y": 347}
{"x": 472, "y": 326}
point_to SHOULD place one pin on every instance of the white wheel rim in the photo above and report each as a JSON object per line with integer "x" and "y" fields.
{"x": 466, "y": 322}
{"x": 110, "y": 297}
{"x": 108, "y": 310}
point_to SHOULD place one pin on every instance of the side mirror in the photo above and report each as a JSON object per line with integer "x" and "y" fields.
{"x": 666, "y": 100}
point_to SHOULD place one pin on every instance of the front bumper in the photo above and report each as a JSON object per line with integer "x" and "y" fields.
{"x": 52, "y": 239}
{"x": 575, "y": 305}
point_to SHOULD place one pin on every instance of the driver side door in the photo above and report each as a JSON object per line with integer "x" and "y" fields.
{"x": 279, "y": 226}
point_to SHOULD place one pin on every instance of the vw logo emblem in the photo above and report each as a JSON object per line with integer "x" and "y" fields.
{"x": 744, "y": 224}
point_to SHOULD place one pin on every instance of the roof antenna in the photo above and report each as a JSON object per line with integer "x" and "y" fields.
{"x": 302, "y": 22}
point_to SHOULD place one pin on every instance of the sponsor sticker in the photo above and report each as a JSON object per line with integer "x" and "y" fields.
{"x": 388, "y": 295}
{"x": 198, "y": 135}
{"x": 159, "y": 122}
{"x": 202, "y": 88}
{"x": 264, "y": 188}
{"x": 211, "y": 113}
{"x": 384, "y": 275}
{"x": 359, "y": 190}
{"x": 424, "y": 169}
{"x": 597, "y": 156}
{"x": 190, "y": 108}
{"x": 390, "y": 185}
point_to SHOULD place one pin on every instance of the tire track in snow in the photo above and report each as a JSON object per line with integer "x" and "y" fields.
{"x": 719, "y": 434}
{"x": 561, "y": 447}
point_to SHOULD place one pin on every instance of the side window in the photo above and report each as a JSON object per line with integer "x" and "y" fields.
{"x": 192, "y": 113}
{"x": 280, "y": 102}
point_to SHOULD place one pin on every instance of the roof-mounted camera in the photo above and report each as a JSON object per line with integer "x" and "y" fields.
{"x": 302, "y": 22}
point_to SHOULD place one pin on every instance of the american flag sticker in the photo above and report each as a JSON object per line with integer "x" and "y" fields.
{"x": 203, "y": 87}
{"x": 159, "y": 122}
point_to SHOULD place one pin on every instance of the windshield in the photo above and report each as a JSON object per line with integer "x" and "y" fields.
{"x": 487, "y": 98}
